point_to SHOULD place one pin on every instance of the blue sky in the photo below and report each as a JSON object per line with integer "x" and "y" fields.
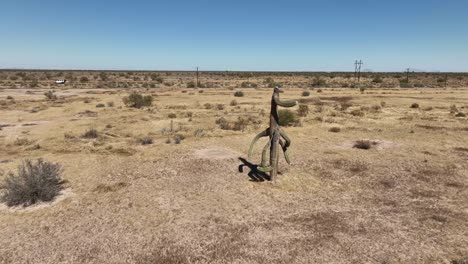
{"x": 314, "y": 35}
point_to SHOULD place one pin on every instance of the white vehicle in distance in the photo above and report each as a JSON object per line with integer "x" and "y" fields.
{"x": 60, "y": 81}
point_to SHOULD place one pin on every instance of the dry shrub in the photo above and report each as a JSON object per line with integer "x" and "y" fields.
{"x": 100, "y": 105}
{"x": 414, "y": 105}
{"x": 303, "y": 110}
{"x": 288, "y": 118}
{"x": 239, "y": 94}
{"x": 220, "y": 106}
{"x": 375, "y": 108}
{"x": 305, "y": 93}
{"x": 364, "y": 144}
{"x": 145, "y": 140}
{"x": 90, "y": 133}
{"x": 137, "y": 100}
{"x": 207, "y": 106}
{"x": 334, "y": 129}
{"x": 233, "y": 103}
{"x": 172, "y": 115}
{"x": 50, "y": 95}
{"x": 35, "y": 182}
{"x": 357, "y": 112}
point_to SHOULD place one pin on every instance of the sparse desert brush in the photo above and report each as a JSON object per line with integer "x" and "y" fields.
{"x": 344, "y": 105}
{"x": 90, "y": 133}
{"x": 305, "y": 93}
{"x": 86, "y": 101}
{"x": 84, "y": 79}
{"x": 288, "y": 118}
{"x": 453, "y": 109}
{"x": 362, "y": 89}
{"x": 460, "y": 114}
{"x": 207, "y": 106}
{"x": 375, "y": 108}
{"x": 364, "y": 144}
{"x": 334, "y": 129}
{"x": 191, "y": 84}
{"x": 233, "y": 103}
{"x": 172, "y": 115}
{"x": 377, "y": 79}
{"x": 145, "y": 140}
{"x": 9, "y": 97}
{"x": 319, "y": 90}
{"x": 200, "y": 91}
{"x": 199, "y": 132}
{"x": 383, "y": 104}
{"x": 110, "y": 104}
{"x": 50, "y": 95}
{"x": 248, "y": 85}
{"x": 137, "y": 100}
{"x": 220, "y": 106}
{"x": 189, "y": 114}
{"x": 22, "y": 142}
{"x": 414, "y": 105}
{"x": 318, "y": 82}
{"x": 34, "y": 182}
{"x": 239, "y": 94}
{"x": 100, "y": 105}
{"x": 303, "y": 110}
{"x": 178, "y": 138}
{"x": 357, "y": 112}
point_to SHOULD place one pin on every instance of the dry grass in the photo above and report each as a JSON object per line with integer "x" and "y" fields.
{"x": 403, "y": 201}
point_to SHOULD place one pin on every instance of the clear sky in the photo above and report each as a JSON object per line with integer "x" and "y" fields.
{"x": 314, "y": 35}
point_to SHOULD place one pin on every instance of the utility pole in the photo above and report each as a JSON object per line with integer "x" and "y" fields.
{"x": 198, "y": 83}
{"x": 407, "y": 75}
{"x": 357, "y": 70}
{"x": 446, "y": 80}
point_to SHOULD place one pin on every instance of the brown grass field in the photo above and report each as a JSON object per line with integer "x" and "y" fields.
{"x": 404, "y": 200}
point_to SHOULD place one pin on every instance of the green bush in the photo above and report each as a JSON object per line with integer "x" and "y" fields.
{"x": 239, "y": 94}
{"x": 317, "y": 82}
{"x": 137, "y": 100}
{"x": 287, "y": 118}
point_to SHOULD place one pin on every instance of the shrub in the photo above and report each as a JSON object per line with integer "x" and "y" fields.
{"x": 191, "y": 84}
{"x": 172, "y": 115}
{"x": 317, "y": 82}
{"x": 220, "y": 106}
{"x": 414, "y": 105}
{"x": 110, "y": 104}
{"x": 287, "y": 117}
{"x": 9, "y": 97}
{"x": 364, "y": 144}
{"x": 100, "y": 105}
{"x": 84, "y": 79}
{"x": 334, "y": 129}
{"x": 377, "y": 79}
{"x": 305, "y": 93}
{"x": 35, "y": 182}
{"x": 137, "y": 100}
{"x": 90, "y": 133}
{"x": 303, "y": 110}
{"x": 145, "y": 140}
{"x": 200, "y": 91}
{"x": 233, "y": 103}
{"x": 239, "y": 94}
{"x": 319, "y": 90}
{"x": 207, "y": 106}
{"x": 50, "y": 95}
{"x": 357, "y": 112}
{"x": 460, "y": 114}
{"x": 248, "y": 85}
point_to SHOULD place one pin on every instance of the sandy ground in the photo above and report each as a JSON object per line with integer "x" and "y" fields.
{"x": 405, "y": 200}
